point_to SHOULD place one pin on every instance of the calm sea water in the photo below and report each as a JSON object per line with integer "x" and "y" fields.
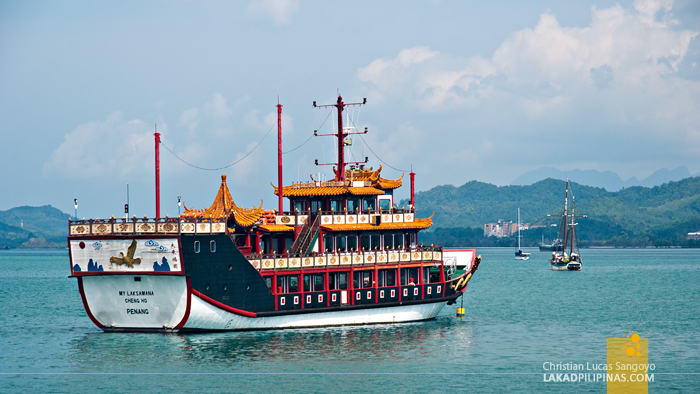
{"x": 519, "y": 316}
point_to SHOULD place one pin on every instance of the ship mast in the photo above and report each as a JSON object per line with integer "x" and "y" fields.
{"x": 157, "y": 136}
{"x": 341, "y": 134}
{"x": 279, "y": 153}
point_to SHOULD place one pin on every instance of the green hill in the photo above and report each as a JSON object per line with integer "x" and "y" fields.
{"x": 636, "y": 216}
{"x": 33, "y": 227}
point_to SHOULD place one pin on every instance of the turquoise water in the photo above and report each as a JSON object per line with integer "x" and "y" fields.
{"x": 520, "y": 314}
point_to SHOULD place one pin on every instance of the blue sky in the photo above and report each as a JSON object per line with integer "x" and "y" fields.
{"x": 461, "y": 90}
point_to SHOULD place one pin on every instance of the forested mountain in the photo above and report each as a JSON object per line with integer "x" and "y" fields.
{"x": 33, "y": 227}
{"x": 635, "y": 216}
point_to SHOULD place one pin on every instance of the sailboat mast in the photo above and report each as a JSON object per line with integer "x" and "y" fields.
{"x": 573, "y": 205}
{"x": 518, "y": 228}
{"x": 566, "y": 218}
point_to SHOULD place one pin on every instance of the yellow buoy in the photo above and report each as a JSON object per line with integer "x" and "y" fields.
{"x": 460, "y": 311}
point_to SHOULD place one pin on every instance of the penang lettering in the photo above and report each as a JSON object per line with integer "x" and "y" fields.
{"x": 137, "y": 311}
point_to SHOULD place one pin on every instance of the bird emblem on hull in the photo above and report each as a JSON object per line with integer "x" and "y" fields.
{"x": 127, "y": 259}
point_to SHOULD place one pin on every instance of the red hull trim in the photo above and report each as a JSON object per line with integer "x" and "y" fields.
{"x": 85, "y": 304}
{"x": 224, "y": 306}
{"x": 189, "y": 305}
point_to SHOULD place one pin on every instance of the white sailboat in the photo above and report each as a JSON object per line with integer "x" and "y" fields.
{"x": 520, "y": 255}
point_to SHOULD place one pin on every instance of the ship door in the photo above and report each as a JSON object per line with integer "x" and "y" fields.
{"x": 316, "y": 205}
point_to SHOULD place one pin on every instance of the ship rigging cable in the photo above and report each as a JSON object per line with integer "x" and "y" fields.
{"x": 370, "y": 149}
{"x": 247, "y": 154}
{"x": 221, "y": 168}
{"x": 308, "y": 139}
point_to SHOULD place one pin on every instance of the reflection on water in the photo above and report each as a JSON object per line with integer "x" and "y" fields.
{"x": 300, "y": 350}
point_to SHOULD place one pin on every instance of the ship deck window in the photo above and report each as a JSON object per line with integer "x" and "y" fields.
{"x": 300, "y": 206}
{"x": 352, "y": 242}
{"x": 337, "y": 205}
{"x": 340, "y": 243}
{"x": 314, "y": 282}
{"x": 398, "y": 241}
{"x": 388, "y": 241}
{"x": 363, "y": 279}
{"x": 268, "y": 282}
{"x": 287, "y": 284}
{"x": 375, "y": 243}
{"x": 409, "y": 275}
{"x": 353, "y": 205}
{"x": 319, "y": 282}
{"x": 387, "y": 278}
{"x": 338, "y": 281}
{"x": 385, "y": 204}
{"x": 370, "y": 204}
{"x": 196, "y": 246}
{"x": 365, "y": 242}
{"x": 212, "y": 246}
{"x": 328, "y": 243}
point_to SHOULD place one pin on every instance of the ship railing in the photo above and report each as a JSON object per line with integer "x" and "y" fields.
{"x": 371, "y": 216}
{"x": 418, "y": 254}
{"x": 146, "y": 226}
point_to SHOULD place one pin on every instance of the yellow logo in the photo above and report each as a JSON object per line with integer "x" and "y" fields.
{"x": 628, "y": 364}
{"x": 633, "y": 347}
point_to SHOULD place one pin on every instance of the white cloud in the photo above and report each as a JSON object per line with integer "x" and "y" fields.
{"x": 215, "y": 135}
{"x": 279, "y": 11}
{"x": 110, "y": 147}
{"x": 616, "y": 79}
{"x": 218, "y": 107}
{"x": 189, "y": 119}
{"x": 548, "y": 63}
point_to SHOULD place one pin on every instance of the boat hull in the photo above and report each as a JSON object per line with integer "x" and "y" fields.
{"x": 136, "y": 302}
{"x": 568, "y": 266}
{"x": 208, "y": 317}
{"x": 161, "y": 303}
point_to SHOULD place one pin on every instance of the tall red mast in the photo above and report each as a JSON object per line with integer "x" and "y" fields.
{"x": 279, "y": 153}
{"x": 413, "y": 181}
{"x": 157, "y": 135}
{"x": 341, "y": 134}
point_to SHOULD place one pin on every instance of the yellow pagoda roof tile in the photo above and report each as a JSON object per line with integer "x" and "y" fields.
{"x": 224, "y": 207}
{"x": 275, "y": 228}
{"x": 418, "y": 224}
{"x": 364, "y": 191}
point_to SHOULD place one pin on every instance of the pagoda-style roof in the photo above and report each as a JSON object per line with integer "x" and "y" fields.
{"x": 224, "y": 207}
{"x": 417, "y": 224}
{"x": 373, "y": 176}
{"x": 325, "y": 188}
{"x": 275, "y": 228}
{"x": 359, "y": 182}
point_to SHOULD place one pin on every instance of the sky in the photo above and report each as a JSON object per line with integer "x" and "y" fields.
{"x": 456, "y": 90}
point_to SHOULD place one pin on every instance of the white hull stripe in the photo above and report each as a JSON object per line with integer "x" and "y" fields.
{"x": 205, "y": 316}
